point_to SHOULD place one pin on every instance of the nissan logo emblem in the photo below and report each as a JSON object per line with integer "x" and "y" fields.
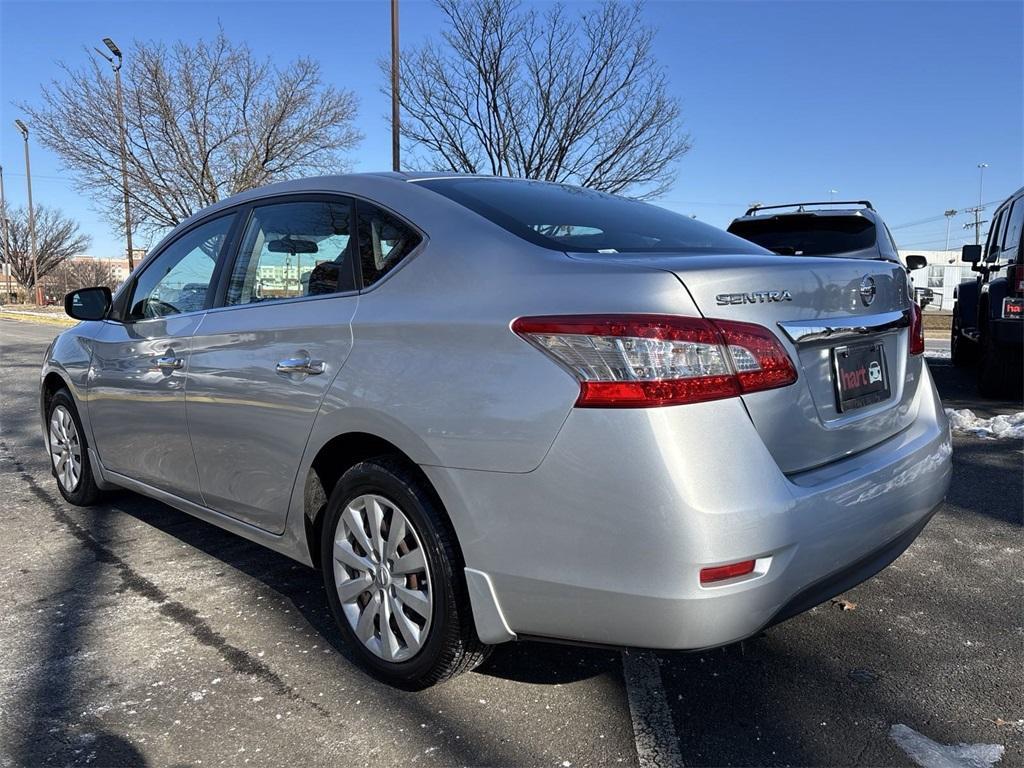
{"x": 867, "y": 290}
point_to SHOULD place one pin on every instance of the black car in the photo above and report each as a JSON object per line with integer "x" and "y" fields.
{"x": 822, "y": 229}
{"x": 988, "y": 311}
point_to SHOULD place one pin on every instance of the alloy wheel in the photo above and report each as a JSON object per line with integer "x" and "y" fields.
{"x": 65, "y": 448}
{"x": 382, "y": 578}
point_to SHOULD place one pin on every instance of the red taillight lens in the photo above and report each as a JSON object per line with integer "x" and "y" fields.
{"x": 642, "y": 361}
{"x": 723, "y": 572}
{"x": 916, "y": 330}
{"x": 1015, "y": 277}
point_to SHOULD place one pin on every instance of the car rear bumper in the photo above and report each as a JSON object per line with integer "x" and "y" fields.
{"x": 604, "y": 541}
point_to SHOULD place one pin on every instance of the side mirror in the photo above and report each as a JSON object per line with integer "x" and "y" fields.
{"x": 916, "y": 262}
{"x": 88, "y": 303}
{"x": 971, "y": 254}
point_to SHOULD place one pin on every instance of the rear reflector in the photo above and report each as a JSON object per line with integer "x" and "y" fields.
{"x": 723, "y": 572}
{"x": 916, "y": 330}
{"x": 643, "y": 361}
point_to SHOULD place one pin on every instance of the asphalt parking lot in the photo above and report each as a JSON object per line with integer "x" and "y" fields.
{"x": 133, "y": 634}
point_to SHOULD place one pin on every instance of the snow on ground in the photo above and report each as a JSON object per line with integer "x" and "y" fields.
{"x": 937, "y": 354}
{"x": 931, "y": 754}
{"x": 964, "y": 420}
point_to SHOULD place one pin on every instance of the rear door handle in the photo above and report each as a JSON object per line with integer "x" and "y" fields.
{"x": 170, "y": 363}
{"x": 301, "y": 365}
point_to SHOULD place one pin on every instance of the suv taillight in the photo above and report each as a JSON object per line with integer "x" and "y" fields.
{"x": 642, "y": 361}
{"x": 1015, "y": 277}
{"x": 916, "y": 329}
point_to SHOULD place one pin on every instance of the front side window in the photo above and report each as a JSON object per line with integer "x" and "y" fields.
{"x": 179, "y": 278}
{"x": 295, "y": 249}
{"x": 383, "y": 242}
{"x": 994, "y": 236}
{"x": 567, "y": 218}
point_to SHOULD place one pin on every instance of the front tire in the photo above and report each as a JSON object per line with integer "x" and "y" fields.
{"x": 394, "y": 577}
{"x": 958, "y": 345}
{"x": 69, "y": 451}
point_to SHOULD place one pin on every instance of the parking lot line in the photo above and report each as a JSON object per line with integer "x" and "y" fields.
{"x": 655, "y": 735}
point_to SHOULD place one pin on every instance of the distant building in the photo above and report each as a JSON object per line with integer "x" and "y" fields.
{"x": 945, "y": 271}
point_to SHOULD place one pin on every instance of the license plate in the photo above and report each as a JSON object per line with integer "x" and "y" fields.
{"x": 1013, "y": 308}
{"x": 861, "y": 376}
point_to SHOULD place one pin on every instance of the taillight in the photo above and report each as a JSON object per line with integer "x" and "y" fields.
{"x": 642, "y": 361}
{"x": 1015, "y": 277}
{"x": 916, "y": 330}
{"x": 723, "y": 572}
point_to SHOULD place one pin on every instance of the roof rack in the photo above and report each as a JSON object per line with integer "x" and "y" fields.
{"x": 752, "y": 210}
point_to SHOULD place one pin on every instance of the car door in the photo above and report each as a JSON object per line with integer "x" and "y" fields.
{"x": 261, "y": 363}
{"x": 136, "y": 393}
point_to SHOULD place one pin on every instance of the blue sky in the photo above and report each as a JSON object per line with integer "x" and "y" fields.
{"x": 896, "y": 102}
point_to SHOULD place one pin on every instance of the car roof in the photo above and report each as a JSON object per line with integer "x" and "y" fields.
{"x": 866, "y": 213}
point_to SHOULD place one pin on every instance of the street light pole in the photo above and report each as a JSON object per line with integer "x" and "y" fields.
{"x": 949, "y": 214}
{"x": 31, "y": 212}
{"x": 396, "y": 164}
{"x": 981, "y": 184}
{"x": 3, "y": 230}
{"x": 115, "y": 63}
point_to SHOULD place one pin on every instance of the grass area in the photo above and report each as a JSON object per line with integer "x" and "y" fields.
{"x": 40, "y": 316}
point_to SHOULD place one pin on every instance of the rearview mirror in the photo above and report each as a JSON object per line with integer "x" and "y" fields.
{"x": 971, "y": 254}
{"x": 88, "y": 303}
{"x": 915, "y": 261}
{"x": 291, "y": 245}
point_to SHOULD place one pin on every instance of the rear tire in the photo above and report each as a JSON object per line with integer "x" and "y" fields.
{"x": 69, "y": 451}
{"x": 998, "y": 370}
{"x": 384, "y": 588}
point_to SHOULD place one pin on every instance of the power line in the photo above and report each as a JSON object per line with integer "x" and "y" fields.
{"x": 940, "y": 217}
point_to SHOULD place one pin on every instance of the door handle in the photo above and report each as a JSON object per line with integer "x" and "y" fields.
{"x": 170, "y": 363}
{"x": 301, "y": 365}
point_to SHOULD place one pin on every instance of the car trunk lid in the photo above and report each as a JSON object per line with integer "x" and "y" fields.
{"x": 835, "y": 317}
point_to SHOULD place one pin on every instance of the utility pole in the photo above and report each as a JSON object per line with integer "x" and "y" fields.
{"x": 31, "y": 213}
{"x": 949, "y": 214}
{"x": 976, "y": 224}
{"x": 396, "y": 163}
{"x": 115, "y": 63}
{"x": 6, "y": 242}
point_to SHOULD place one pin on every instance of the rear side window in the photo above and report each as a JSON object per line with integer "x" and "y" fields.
{"x": 567, "y": 218}
{"x": 808, "y": 235}
{"x": 383, "y": 242}
{"x": 1013, "y": 229}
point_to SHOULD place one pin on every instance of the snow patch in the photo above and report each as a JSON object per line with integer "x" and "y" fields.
{"x": 931, "y": 754}
{"x": 937, "y": 354}
{"x": 964, "y": 420}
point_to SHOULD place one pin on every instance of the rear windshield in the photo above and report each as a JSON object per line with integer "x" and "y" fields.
{"x": 810, "y": 235}
{"x": 568, "y": 218}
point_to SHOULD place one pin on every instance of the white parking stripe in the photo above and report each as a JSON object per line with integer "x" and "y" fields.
{"x": 653, "y": 731}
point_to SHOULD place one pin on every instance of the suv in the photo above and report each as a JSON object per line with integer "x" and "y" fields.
{"x": 988, "y": 310}
{"x": 810, "y": 230}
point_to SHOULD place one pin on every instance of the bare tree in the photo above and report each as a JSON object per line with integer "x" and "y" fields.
{"x": 543, "y": 95}
{"x": 57, "y": 238}
{"x": 85, "y": 272}
{"x": 203, "y": 122}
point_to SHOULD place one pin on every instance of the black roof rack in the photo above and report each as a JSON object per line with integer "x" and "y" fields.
{"x": 800, "y": 206}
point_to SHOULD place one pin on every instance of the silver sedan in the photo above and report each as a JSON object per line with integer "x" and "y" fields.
{"x": 489, "y": 409}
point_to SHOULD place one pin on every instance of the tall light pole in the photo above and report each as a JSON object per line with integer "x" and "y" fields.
{"x": 115, "y": 63}
{"x": 832, "y": 194}
{"x": 981, "y": 184}
{"x": 31, "y": 211}
{"x": 3, "y": 230}
{"x": 949, "y": 214}
{"x": 396, "y": 163}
